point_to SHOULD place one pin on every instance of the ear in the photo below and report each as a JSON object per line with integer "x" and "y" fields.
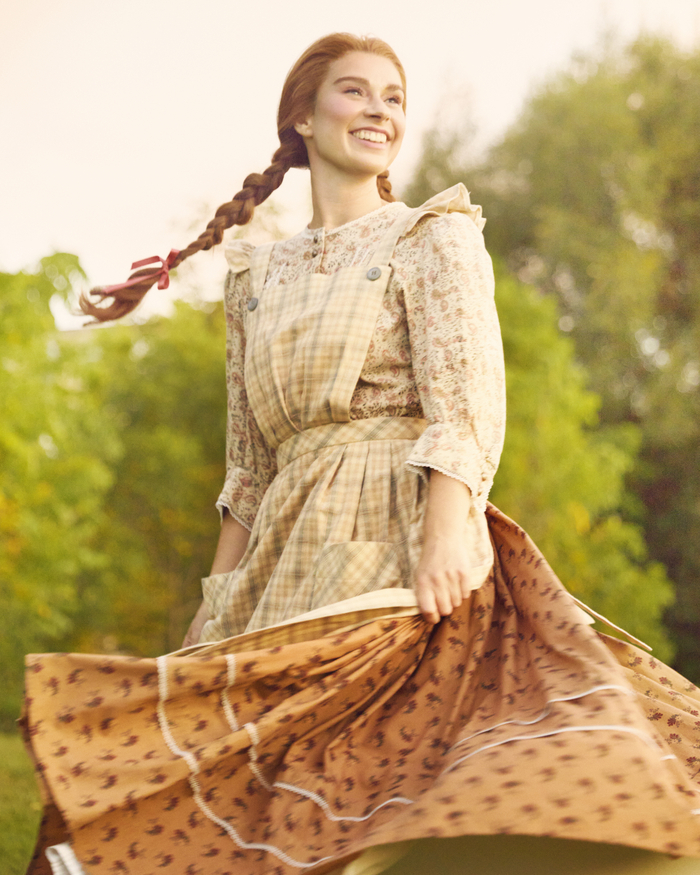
{"x": 304, "y": 129}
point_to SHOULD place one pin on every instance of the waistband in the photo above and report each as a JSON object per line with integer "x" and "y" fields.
{"x": 379, "y": 428}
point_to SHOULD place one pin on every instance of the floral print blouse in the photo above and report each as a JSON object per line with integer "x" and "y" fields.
{"x": 435, "y": 353}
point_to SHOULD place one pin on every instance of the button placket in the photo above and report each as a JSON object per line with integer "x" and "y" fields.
{"x": 317, "y": 243}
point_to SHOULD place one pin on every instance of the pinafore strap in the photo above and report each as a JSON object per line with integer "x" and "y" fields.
{"x": 259, "y": 261}
{"x": 385, "y": 248}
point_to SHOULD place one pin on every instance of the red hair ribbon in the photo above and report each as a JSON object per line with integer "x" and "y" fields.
{"x": 163, "y": 273}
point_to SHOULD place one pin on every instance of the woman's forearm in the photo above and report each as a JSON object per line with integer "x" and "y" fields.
{"x": 447, "y": 507}
{"x": 233, "y": 541}
{"x": 232, "y": 544}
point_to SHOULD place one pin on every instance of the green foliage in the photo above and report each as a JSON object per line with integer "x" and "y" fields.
{"x": 562, "y": 478}
{"x": 594, "y": 196}
{"x": 111, "y": 457}
{"x": 20, "y": 806}
{"x": 56, "y": 457}
{"x": 164, "y": 385}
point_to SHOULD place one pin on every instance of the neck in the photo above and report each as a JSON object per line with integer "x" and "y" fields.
{"x": 338, "y": 201}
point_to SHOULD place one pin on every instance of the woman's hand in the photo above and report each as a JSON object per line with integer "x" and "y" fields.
{"x": 443, "y": 577}
{"x": 195, "y": 631}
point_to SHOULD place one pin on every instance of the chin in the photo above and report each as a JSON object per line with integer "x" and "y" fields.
{"x": 370, "y": 168}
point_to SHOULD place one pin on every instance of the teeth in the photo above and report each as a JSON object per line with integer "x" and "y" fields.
{"x": 374, "y": 136}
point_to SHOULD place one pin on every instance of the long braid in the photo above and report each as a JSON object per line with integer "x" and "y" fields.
{"x": 257, "y": 187}
{"x": 384, "y": 187}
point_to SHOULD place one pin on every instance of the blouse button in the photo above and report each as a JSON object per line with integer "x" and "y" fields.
{"x": 314, "y": 253}
{"x": 317, "y": 237}
{"x": 252, "y": 304}
{"x": 374, "y": 273}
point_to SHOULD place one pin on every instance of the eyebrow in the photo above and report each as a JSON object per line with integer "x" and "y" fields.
{"x": 365, "y": 82}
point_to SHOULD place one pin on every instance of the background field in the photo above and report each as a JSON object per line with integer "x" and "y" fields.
{"x": 20, "y": 806}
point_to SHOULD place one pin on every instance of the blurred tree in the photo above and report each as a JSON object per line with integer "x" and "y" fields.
{"x": 562, "y": 477}
{"x": 164, "y": 384}
{"x": 594, "y": 196}
{"x": 111, "y": 457}
{"x": 56, "y": 458}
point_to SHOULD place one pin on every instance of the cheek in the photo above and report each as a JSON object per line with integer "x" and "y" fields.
{"x": 338, "y": 109}
{"x": 400, "y": 128}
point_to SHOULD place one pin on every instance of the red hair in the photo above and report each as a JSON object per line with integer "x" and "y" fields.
{"x": 296, "y": 103}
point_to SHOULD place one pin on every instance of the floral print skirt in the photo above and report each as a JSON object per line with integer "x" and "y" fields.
{"x": 302, "y": 747}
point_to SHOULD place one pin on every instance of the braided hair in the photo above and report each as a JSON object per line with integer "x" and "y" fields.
{"x": 297, "y": 100}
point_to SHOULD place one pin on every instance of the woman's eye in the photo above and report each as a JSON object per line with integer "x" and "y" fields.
{"x": 353, "y": 90}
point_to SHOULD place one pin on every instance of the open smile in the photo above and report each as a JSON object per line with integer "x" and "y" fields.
{"x": 370, "y": 135}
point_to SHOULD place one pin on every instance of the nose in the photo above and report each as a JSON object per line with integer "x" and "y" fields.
{"x": 376, "y": 108}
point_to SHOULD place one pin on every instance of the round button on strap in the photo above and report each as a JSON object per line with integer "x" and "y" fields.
{"x": 252, "y": 304}
{"x": 374, "y": 273}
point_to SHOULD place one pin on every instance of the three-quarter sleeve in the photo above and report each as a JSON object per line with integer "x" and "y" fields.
{"x": 251, "y": 464}
{"x": 456, "y": 351}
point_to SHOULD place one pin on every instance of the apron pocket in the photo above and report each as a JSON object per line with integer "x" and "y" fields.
{"x": 349, "y": 568}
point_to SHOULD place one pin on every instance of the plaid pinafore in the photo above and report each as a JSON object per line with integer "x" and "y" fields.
{"x": 344, "y": 514}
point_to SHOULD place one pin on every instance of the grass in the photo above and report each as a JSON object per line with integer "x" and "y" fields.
{"x": 20, "y": 806}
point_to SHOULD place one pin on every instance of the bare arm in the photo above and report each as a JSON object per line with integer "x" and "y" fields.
{"x": 442, "y": 578}
{"x": 233, "y": 541}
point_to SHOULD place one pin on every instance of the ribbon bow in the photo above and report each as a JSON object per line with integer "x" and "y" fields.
{"x": 163, "y": 272}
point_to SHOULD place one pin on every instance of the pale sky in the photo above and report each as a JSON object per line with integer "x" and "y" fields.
{"x": 119, "y": 120}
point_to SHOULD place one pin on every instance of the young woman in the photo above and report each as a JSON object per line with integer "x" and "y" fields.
{"x": 380, "y": 655}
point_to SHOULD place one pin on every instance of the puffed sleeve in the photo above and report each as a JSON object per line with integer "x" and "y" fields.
{"x": 250, "y": 464}
{"x": 456, "y": 351}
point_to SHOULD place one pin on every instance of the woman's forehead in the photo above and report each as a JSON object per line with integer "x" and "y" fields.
{"x": 373, "y": 69}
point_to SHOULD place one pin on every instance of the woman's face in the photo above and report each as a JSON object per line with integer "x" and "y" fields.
{"x": 358, "y": 121}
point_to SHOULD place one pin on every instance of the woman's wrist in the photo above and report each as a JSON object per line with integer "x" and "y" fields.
{"x": 448, "y": 505}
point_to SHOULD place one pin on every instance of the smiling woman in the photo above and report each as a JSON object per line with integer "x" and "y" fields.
{"x": 380, "y": 653}
{"x": 353, "y": 134}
